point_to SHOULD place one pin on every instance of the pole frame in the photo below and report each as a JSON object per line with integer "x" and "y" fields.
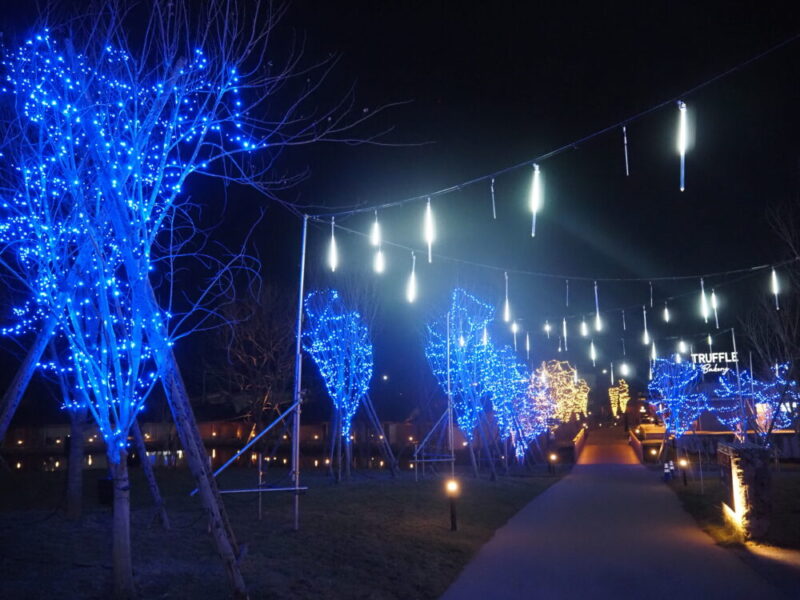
{"x": 298, "y": 376}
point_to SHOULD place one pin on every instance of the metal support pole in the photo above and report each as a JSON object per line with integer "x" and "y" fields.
{"x": 453, "y": 518}
{"x": 450, "y": 438}
{"x": 742, "y": 417}
{"x": 298, "y": 377}
{"x": 260, "y": 482}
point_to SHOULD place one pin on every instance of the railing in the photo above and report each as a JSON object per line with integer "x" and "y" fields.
{"x": 637, "y": 446}
{"x": 577, "y": 444}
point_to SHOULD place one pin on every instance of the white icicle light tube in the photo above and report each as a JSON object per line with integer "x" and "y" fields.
{"x": 775, "y": 288}
{"x": 333, "y": 253}
{"x": 682, "y": 141}
{"x": 598, "y": 322}
{"x": 703, "y": 301}
{"x": 411, "y": 287}
{"x": 506, "y": 304}
{"x": 536, "y": 197}
{"x": 430, "y": 230}
{"x": 379, "y": 262}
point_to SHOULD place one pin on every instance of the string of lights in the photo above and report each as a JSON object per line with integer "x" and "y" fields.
{"x": 535, "y": 162}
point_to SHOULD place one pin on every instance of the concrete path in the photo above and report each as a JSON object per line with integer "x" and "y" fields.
{"x": 609, "y": 529}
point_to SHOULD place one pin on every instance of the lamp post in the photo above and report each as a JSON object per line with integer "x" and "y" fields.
{"x": 452, "y": 488}
{"x": 551, "y": 463}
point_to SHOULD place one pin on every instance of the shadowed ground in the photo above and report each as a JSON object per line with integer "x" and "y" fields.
{"x": 610, "y": 529}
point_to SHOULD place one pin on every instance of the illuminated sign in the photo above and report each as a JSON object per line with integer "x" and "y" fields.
{"x": 715, "y": 362}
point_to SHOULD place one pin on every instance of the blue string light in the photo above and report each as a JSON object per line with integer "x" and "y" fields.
{"x": 673, "y": 390}
{"x": 338, "y": 341}
{"x": 465, "y": 322}
{"x": 96, "y": 158}
{"x": 769, "y": 401}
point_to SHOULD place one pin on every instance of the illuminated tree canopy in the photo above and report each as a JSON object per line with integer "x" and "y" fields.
{"x": 568, "y": 393}
{"x": 619, "y": 395}
{"x": 469, "y": 352}
{"x": 673, "y": 390}
{"x": 338, "y": 341}
{"x": 767, "y": 403}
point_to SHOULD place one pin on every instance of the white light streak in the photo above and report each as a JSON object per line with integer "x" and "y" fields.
{"x": 411, "y": 287}
{"x": 682, "y": 140}
{"x": 333, "y": 253}
{"x": 775, "y": 288}
{"x": 536, "y": 197}
{"x": 430, "y": 230}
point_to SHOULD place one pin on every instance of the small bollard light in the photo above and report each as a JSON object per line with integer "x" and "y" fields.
{"x": 683, "y": 464}
{"x": 452, "y": 488}
{"x": 551, "y": 463}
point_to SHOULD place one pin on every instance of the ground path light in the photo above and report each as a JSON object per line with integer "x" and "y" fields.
{"x": 452, "y": 488}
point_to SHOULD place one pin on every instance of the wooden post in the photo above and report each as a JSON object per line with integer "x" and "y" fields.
{"x": 200, "y": 467}
{"x": 150, "y": 476}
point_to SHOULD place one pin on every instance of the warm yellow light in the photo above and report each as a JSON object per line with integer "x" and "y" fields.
{"x": 619, "y": 395}
{"x": 452, "y": 487}
{"x": 683, "y": 462}
{"x": 19, "y": 442}
{"x": 653, "y": 451}
{"x": 19, "y": 465}
{"x": 316, "y": 463}
{"x": 58, "y": 464}
{"x": 553, "y": 457}
{"x": 58, "y": 441}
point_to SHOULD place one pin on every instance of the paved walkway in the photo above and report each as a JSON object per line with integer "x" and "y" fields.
{"x": 609, "y": 529}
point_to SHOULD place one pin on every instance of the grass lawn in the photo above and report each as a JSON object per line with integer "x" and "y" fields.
{"x": 784, "y": 530}
{"x": 371, "y": 538}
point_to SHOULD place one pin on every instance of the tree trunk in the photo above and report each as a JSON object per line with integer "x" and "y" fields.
{"x": 150, "y": 476}
{"x": 16, "y": 389}
{"x": 121, "y": 535}
{"x": 348, "y": 456}
{"x": 77, "y": 426}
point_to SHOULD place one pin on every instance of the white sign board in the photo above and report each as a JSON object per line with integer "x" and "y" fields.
{"x": 716, "y": 362}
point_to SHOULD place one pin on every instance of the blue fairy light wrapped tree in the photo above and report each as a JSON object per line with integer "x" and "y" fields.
{"x": 674, "y": 391}
{"x": 506, "y": 380}
{"x": 464, "y": 326}
{"x": 101, "y": 133}
{"x": 762, "y": 404}
{"x": 337, "y": 340}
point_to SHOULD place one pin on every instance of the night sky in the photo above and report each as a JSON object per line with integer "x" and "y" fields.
{"x": 490, "y": 85}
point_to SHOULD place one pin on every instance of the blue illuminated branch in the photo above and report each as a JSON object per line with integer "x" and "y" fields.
{"x": 338, "y": 341}
{"x": 673, "y": 390}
